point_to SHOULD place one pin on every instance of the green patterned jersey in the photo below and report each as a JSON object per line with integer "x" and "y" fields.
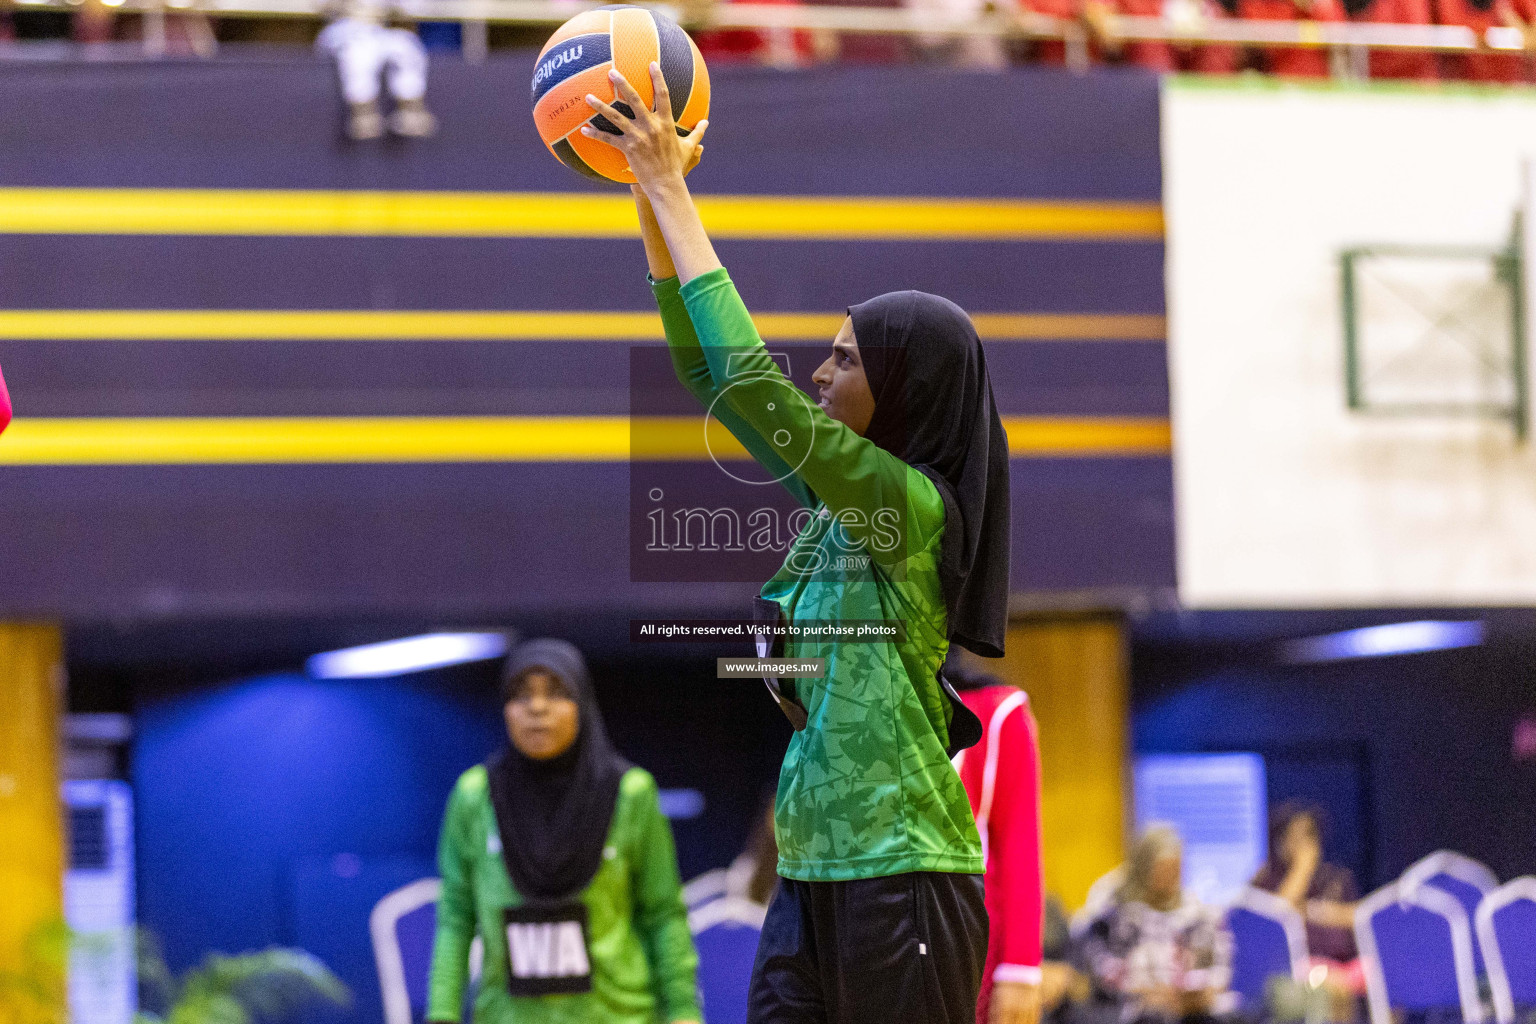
{"x": 866, "y": 789}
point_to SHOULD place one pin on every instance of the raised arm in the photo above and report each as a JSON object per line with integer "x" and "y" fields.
{"x": 688, "y": 361}
{"x": 660, "y": 161}
{"x": 682, "y": 344}
{"x": 658, "y": 258}
{"x": 878, "y": 499}
{"x": 873, "y": 493}
{"x": 1298, "y": 876}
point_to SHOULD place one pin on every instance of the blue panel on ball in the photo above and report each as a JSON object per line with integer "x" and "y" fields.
{"x": 572, "y": 159}
{"x": 602, "y": 124}
{"x": 574, "y": 55}
{"x": 676, "y": 61}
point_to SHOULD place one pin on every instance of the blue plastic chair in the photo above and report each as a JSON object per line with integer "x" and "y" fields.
{"x": 402, "y": 926}
{"x": 1506, "y": 930}
{"x": 1269, "y": 938}
{"x": 1416, "y": 948}
{"x": 725, "y": 932}
{"x": 711, "y": 885}
{"x": 1461, "y": 876}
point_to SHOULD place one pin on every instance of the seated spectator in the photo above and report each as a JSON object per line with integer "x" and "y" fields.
{"x": 1324, "y": 894}
{"x": 1168, "y": 56}
{"x": 1101, "y": 896}
{"x": 1157, "y": 952}
{"x": 366, "y": 50}
{"x": 1292, "y": 61}
{"x": 1480, "y": 16}
{"x": 1416, "y": 65}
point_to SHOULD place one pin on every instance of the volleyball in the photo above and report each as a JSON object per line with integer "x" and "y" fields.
{"x": 575, "y": 61}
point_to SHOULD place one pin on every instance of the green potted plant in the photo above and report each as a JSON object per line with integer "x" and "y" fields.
{"x": 268, "y": 985}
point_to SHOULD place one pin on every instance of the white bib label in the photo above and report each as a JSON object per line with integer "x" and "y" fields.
{"x": 547, "y": 950}
{"x": 551, "y": 950}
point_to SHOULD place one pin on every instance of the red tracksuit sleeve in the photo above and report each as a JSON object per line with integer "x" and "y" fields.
{"x": 1014, "y": 839}
{"x": 5, "y": 404}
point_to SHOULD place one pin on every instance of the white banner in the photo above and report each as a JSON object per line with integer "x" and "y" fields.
{"x": 1285, "y": 497}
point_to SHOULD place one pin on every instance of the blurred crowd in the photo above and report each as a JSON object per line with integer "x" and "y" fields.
{"x": 1145, "y": 950}
{"x": 1095, "y": 25}
{"x": 1104, "y": 41}
{"x": 1099, "y": 17}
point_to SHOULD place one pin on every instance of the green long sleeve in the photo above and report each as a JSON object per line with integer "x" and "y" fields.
{"x": 875, "y": 497}
{"x": 455, "y": 918}
{"x": 661, "y": 919}
{"x": 693, "y": 372}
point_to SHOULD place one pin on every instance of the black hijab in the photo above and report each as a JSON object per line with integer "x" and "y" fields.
{"x": 553, "y": 815}
{"x": 934, "y": 411}
{"x": 964, "y": 679}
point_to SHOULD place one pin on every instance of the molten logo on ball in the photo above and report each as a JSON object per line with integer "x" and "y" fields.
{"x": 548, "y": 67}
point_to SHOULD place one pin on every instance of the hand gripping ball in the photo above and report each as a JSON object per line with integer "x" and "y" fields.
{"x": 576, "y": 61}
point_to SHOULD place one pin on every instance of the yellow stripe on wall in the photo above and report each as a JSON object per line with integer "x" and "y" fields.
{"x": 129, "y": 211}
{"x": 438, "y": 439}
{"x": 499, "y": 325}
{"x": 1088, "y": 435}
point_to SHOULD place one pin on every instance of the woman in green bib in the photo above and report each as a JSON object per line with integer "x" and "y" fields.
{"x": 556, "y": 853}
{"x": 902, "y": 465}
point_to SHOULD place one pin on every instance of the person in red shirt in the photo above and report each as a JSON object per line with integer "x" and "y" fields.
{"x": 1480, "y": 16}
{"x": 5, "y": 405}
{"x": 1002, "y": 777}
{"x": 1412, "y": 65}
{"x": 1293, "y": 61}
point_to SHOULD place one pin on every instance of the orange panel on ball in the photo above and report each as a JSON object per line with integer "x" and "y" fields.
{"x": 698, "y": 99}
{"x": 602, "y": 158}
{"x": 561, "y": 110}
{"x": 635, "y": 45}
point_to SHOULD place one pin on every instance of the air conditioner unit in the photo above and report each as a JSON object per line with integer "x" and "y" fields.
{"x": 99, "y": 902}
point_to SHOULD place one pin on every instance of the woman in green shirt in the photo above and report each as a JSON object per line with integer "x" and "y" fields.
{"x": 556, "y": 852}
{"x": 902, "y": 465}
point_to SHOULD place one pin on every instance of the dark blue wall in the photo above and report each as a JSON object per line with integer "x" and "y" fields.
{"x": 240, "y": 786}
{"x": 279, "y": 809}
{"x": 488, "y": 541}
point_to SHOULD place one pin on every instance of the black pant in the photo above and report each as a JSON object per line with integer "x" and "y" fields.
{"x": 904, "y": 949}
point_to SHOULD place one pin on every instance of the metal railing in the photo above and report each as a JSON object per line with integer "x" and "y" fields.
{"x": 1023, "y": 25}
